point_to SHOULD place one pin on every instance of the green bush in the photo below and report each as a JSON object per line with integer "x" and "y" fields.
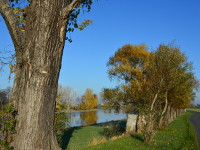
{"x": 7, "y": 126}
{"x": 113, "y": 130}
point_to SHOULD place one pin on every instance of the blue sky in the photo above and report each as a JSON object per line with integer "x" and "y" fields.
{"x": 116, "y": 23}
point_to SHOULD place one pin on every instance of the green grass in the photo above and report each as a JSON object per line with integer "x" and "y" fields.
{"x": 80, "y": 137}
{"x": 196, "y": 109}
{"x": 179, "y": 135}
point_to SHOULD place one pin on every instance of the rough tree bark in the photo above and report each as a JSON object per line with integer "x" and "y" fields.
{"x": 38, "y": 56}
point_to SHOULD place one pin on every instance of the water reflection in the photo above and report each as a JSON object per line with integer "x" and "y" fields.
{"x": 88, "y": 118}
{"x": 93, "y": 117}
{"x": 116, "y": 110}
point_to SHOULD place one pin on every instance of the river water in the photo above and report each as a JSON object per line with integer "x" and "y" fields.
{"x": 92, "y": 117}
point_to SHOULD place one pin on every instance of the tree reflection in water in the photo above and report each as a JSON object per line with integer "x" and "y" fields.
{"x": 88, "y": 118}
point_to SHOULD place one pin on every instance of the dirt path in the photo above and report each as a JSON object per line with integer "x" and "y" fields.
{"x": 195, "y": 120}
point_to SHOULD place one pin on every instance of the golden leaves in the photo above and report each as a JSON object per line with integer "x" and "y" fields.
{"x": 12, "y": 68}
{"x": 144, "y": 74}
{"x": 84, "y": 24}
{"x": 128, "y": 61}
{"x": 89, "y": 100}
{"x": 20, "y": 14}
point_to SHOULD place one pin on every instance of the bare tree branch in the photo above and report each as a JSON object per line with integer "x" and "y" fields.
{"x": 9, "y": 17}
{"x": 7, "y": 57}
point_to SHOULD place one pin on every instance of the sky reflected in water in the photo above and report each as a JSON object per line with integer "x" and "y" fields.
{"x": 92, "y": 117}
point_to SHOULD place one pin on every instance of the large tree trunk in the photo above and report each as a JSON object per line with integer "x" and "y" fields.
{"x": 36, "y": 80}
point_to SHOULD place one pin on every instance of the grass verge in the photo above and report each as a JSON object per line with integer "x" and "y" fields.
{"x": 81, "y": 137}
{"x": 196, "y": 109}
{"x": 179, "y": 135}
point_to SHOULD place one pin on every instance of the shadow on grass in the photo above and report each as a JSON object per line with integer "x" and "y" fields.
{"x": 66, "y": 136}
{"x": 138, "y": 137}
{"x": 115, "y": 128}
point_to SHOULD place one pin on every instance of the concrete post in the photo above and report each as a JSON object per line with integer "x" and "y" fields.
{"x": 131, "y": 123}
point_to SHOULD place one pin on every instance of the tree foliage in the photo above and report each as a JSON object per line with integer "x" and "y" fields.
{"x": 128, "y": 63}
{"x": 7, "y": 120}
{"x": 7, "y": 126}
{"x": 152, "y": 82}
{"x": 4, "y": 96}
{"x": 160, "y": 71}
{"x": 66, "y": 96}
{"x": 89, "y": 100}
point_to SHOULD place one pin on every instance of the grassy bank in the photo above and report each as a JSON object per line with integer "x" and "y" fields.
{"x": 178, "y": 135}
{"x": 71, "y": 111}
{"x": 196, "y": 109}
{"x": 81, "y": 137}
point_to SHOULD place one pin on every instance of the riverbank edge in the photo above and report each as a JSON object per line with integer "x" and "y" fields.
{"x": 73, "y": 111}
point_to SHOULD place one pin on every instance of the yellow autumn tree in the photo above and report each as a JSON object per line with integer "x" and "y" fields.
{"x": 156, "y": 84}
{"x": 128, "y": 62}
{"x": 127, "y": 65}
{"x": 89, "y": 100}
